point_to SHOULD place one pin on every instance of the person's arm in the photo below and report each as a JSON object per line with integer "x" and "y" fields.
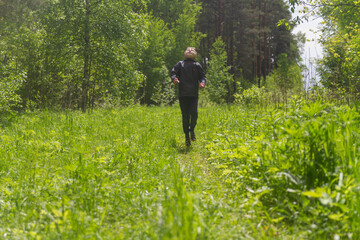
{"x": 202, "y": 76}
{"x": 175, "y": 73}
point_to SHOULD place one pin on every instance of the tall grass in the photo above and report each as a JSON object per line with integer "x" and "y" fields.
{"x": 298, "y": 171}
{"x": 126, "y": 174}
{"x": 112, "y": 174}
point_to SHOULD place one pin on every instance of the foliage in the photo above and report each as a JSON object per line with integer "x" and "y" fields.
{"x": 181, "y": 18}
{"x": 286, "y": 80}
{"x": 10, "y": 81}
{"x": 251, "y": 96}
{"x": 251, "y": 34}
{"x": 251, "y": 174}
{"x": 184, "y": 29}
{"x": 21, "y": 52}
{"x": 220, "y": 80}
{"x": 295, "y": 168}
{"x": 164, "y": 93}
{"x": 160, "y": 43}
{"x": 341, "y": 41}
{"x": 80, "y": 54}
{"x": 114, "y": 43}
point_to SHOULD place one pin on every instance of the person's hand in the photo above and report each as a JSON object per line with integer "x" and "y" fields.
{"x": 202, "y": 85}
{"x": 176, "y": 81}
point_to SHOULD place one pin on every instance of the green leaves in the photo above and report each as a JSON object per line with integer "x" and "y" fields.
{"x": 125, "y": 172}
{"x": 10, "y": 82}
{"x": 155, "y": 87}
{"x": 341, "y": 38}
{"x": 297, "y": 166}
{"x": 116, "y": 40}
{"x": 220, "y": 81}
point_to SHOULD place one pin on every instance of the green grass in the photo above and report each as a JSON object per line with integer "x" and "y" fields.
{"x": 126, "y": 174}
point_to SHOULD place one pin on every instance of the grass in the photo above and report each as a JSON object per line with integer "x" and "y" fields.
{"x": 126, "y": 174}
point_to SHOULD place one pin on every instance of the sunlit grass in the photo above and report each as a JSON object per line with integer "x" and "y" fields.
{"x": 126, "y": 174}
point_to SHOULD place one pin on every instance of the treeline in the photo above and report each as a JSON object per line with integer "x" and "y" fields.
{"x": 340, "y": 67}
{"x": 85, "y": 53}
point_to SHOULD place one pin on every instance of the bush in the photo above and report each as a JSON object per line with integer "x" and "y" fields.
{"x": 253, "y": 95}
{"x": 10, "y": 82}
{"x": 286, "y": 80}
{"x": 218, "y": 75}
{"x": 298, "y": 167}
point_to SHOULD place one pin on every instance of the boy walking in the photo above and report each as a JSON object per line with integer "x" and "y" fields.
{"x": 190, "y": 76}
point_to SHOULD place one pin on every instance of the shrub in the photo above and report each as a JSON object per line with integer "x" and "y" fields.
{"x": 253, "y": 95}
{"x": 286, "y": 80}
{"x": 218, "y": 75}
{"x": 10, "y": 82}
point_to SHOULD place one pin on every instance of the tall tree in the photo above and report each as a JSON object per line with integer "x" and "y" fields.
{"x": 219, "y": 77}
{"x": 251, "y": 33}
{"x": 181, "y": 17}
{"x": 82, "y": 52}
{"x": 340, "y": 66}
{"x": 104, "y": 39}
{"x": 160, "y": 44}
{"x": 20, "y": 40}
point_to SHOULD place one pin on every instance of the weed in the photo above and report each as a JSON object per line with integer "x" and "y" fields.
{"x": 126, "y": 174}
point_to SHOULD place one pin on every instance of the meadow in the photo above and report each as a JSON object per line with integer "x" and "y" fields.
{"x": 125, "y": 173}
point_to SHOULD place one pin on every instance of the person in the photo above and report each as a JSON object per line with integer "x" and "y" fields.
{"x": 190, "y": 76}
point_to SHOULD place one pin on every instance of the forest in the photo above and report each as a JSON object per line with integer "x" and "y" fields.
{"x": 91, "y": 144}
{"x": 82, "y": 54}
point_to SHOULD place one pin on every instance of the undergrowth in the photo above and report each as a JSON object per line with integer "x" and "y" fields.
{"x": 126, "y": 174}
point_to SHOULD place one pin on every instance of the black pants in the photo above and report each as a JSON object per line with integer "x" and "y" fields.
{"x": 189, "y": 111}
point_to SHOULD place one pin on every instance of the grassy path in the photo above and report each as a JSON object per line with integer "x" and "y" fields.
{"x": 111, "y": 174}
{"x": 126, "y": 174}
{"x": 221, "y": 208}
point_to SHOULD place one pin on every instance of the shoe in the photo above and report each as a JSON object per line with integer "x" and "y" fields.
{"x": 187, "y": 141}
{"x": 193, "y": 136}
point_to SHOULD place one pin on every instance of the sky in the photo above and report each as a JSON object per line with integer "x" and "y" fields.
{"x": 312, "y": 49}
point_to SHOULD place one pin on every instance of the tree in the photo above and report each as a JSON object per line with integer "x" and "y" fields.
{"x": 80, "y": 53}
{"x": 171, "y": 30}
{"x": 10, "y": 82}
{"x": 340, "y": 66}
{"x": 250, "y": 31}
{"x": 160, "y": 43}
{"x": 181, "y": 17}
{"x": 20, "y": 41}
{"x": 218, "y": 74}
{"x": 93, "y": 49}
{"x": 286, "y": 79}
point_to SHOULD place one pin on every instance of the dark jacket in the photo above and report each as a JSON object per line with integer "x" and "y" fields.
{"x": 190, "y": 74}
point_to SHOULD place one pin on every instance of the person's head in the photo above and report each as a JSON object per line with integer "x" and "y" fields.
{"x": 190, "y": 52}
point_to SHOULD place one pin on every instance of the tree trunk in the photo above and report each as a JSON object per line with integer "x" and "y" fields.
{"x": 266, "y": 45}
{"x": 219, "y": 19}
{"x": 86, "y": 77}
{"x": 230, "y": 20}
{"x": 260, "y": 57}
